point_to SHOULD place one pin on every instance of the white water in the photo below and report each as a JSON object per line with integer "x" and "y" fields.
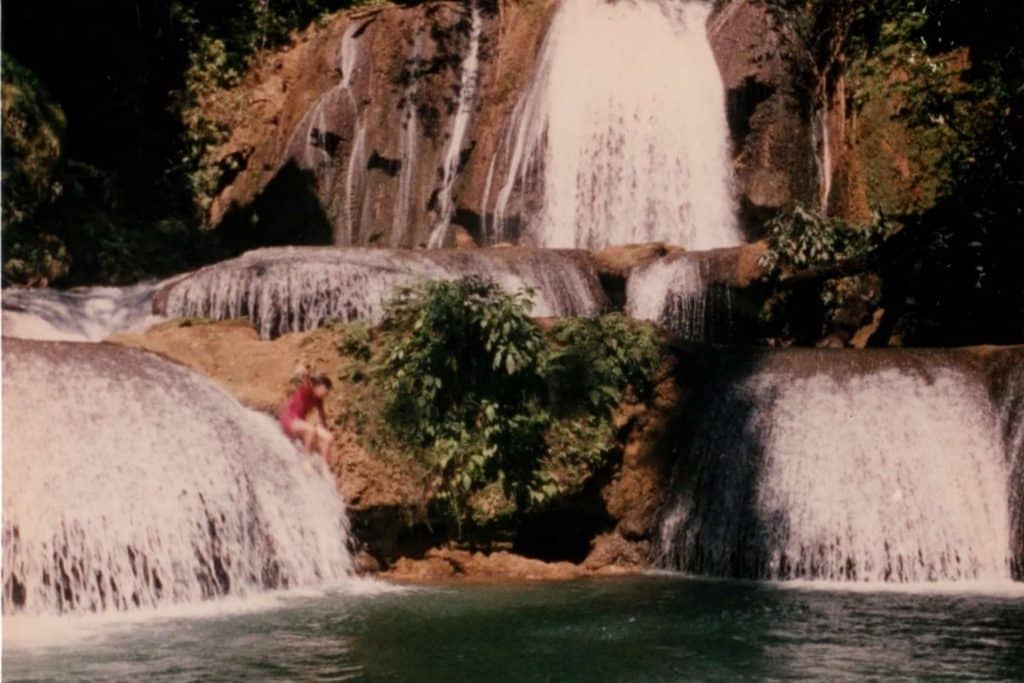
{"x": 82, "y": 314}
{"x": 156, "y": 488}
{"x": 823, "y": 143}
{"x": 622, "y": 133}
{"x": 289, "y": 289}
{"x": 311, "y": 151}
{"x": 460, "y": 124}
{"x": 672, "y": 291}
{"x": 844, "y": 467}
{"x": 409, "y": 148}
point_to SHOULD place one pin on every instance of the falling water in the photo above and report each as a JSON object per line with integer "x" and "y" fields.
{"x": 674, "y": 292}
{"x": 849, "y": 466}
{"x": 823, "y": 143}
{"x": 313, "y": 143}
{"x": 460, "y": 124}
{"x": 408, "y": 150}
{"x": 289, "y": 289}
{"x": 622, "y": 132}
{"x": 156, "y": 488}
{"x": 82, "y": 314}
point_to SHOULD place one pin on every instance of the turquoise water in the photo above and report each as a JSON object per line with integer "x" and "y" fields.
{"x": 654, "y": 628}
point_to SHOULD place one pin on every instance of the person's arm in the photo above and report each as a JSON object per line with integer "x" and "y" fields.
{"x": 323, "y": 415}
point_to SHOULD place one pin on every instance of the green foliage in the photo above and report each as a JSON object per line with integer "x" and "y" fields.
{"x": 461, "y": 337}
{"x": 208, "y": 73}
{"x": 462, "y": 374}
{"x": 952, "y": 73}
{"x": 494, "y": 406}
{"x": 33, "y": 133}
{"x": 803, "y": 238}
{"x": 354, "y": 340}
{"x": 596, "y": 359}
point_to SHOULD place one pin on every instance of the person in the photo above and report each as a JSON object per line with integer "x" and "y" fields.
{"x": 309, "y": 394}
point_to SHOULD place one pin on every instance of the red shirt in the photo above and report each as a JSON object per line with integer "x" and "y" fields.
{"x": 300, "y": 403}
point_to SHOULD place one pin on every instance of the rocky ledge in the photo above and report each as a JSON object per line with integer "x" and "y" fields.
{"x": 606, "y": 528}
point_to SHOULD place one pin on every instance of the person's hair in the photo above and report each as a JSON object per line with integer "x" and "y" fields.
{"x": 322, "y": 380}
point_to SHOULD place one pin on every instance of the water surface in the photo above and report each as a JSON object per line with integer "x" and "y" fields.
{"x": 639, "y": 629}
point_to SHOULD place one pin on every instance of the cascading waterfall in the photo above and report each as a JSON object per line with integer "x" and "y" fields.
{"x": 83, "y": 314}
{"x": 460, "y": 124}
{"x": 674, "y": 292}
{"x": 408, "y": 146}
{"x": 157, "y": 487}
{"x": 820, "y": 140}
{"x": 355, "y": 167}
{"x": 622, "y": 133}
{"x": 849, "y": 466}
{"x": 314, "y": 145}
{"x": 1008, "y": 395}
{"x": 290, "y": 289}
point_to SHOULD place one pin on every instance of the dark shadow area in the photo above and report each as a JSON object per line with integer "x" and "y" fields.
{"x": 565, "y": 533}
{"x": 741, "y": 103}
{"x": 376, "y": 162}
{"x": 1005, "y": 370}
{"x": 388, "y": 533}
{"x": 715, "y": 479}
{"x": 286, "y": 212}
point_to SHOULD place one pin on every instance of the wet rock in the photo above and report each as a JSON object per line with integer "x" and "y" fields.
{"x": 449, "y": 563}
{"x": 612, "y": 551}
{"x": 769, "y": 115}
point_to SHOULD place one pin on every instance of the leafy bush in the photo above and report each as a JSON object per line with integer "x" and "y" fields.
{"x": 803, "y": 238}
{"x": 354, "y": 340}
{"x": 466, "y": 343}
{"x": 492, "y": 404}
{"x": 596, "y": 359}
{"x": 463, "y": 373}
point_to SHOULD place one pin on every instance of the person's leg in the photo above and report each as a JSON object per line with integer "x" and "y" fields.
{"x": 324, "y": 440}
{"x": 305, "y": 431}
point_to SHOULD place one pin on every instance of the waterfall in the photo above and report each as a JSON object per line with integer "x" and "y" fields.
{"x": 674, "y": 292}
{"x": 130, "y": 481}
{"x": 1008, "y": 395}
{"x": 289, "y": 289}
{"x": 821, "y": 141}
{"x": 82, "y": 314}
{"x": 313, "y": 145}
{"x": 408, "y": 146}
{"x": 622, "y": 134}
{"x": 850, "y": 466}
{"x": 460, "y": 124}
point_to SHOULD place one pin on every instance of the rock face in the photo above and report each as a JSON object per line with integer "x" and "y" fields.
{"x": 345, "y": 136}
{"x": 769, "y": 115}
{"x": 380, "y": 125}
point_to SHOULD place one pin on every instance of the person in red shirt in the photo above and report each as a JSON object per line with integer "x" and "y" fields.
{"x": 294, "y": 414}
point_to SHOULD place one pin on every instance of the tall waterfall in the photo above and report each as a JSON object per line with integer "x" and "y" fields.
{"x": 131, "y": 482}
{"x": 289, "y": 289}
{"x": 83, "y": 314}
{"x": 850, "y": 466}
{"x": 460, "y": 124}
{"x": 622, "y": 135}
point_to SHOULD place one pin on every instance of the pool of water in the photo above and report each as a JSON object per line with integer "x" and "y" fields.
{"x": 655, "y": 628}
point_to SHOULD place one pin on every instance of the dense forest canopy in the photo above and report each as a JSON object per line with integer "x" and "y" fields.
{"x": 105, "y": 135}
